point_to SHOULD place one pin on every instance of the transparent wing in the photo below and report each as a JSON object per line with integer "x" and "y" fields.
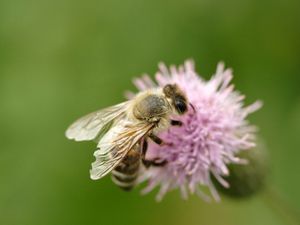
{"x": 92, "y": 125}
{"x": 114, "y": 146}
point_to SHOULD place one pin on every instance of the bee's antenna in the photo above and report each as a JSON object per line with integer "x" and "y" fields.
{"x": 192, "y": 107}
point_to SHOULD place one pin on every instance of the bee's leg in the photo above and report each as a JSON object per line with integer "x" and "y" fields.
{"x": 145, "y": 147}
{"x": 176, "y": 123}
{"x": 147, "y": 163}
{"x": 156, "y": 139}
{"x": 158, "y": 162}
{"x": 154, "y": 162}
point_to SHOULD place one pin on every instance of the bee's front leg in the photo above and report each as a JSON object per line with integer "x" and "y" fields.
{"x": 176, "y": 123}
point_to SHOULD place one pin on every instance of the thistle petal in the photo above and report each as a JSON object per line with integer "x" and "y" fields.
{"x": 212, "y": 134}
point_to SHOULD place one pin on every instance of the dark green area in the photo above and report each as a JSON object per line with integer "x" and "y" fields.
{"x": 246, "y": 180}
{"x": 62, "y": 59}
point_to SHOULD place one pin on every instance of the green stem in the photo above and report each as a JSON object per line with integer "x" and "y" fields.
{"x": 280, "y": 206}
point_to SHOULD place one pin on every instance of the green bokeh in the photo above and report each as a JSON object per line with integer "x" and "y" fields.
{"x": 62, "y": 59}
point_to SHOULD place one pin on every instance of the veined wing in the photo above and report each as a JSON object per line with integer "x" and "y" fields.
{"x": 115, "y": 144}
{"x": 92, "y": 125}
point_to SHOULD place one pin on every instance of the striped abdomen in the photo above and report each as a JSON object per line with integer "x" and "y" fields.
{"x": 126, "y": 173}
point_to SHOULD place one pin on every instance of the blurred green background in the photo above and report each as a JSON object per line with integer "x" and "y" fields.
{"x": 62, "y": 59}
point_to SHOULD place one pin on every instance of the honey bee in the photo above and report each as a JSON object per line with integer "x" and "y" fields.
{"x": 122, "y": 132}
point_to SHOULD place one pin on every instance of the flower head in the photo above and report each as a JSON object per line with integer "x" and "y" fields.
{"x": 214, "y": 130}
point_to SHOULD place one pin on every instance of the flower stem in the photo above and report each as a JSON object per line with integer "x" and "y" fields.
{"x": 280, "y": 206}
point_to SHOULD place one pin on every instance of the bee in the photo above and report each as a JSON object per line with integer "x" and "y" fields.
{"x": 122, "y": 132}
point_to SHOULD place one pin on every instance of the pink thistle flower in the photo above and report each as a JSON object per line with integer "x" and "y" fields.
{"x": 214, "y": 130}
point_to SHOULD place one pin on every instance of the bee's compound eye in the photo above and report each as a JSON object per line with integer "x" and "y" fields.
{"x": 180, "y": 106}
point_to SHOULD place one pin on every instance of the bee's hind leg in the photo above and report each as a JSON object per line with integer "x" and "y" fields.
{"x": 154, "y": 162}
{"x": 158, "y": 162}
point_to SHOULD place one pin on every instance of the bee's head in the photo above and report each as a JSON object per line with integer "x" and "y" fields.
{"x": 178, "y": 99}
